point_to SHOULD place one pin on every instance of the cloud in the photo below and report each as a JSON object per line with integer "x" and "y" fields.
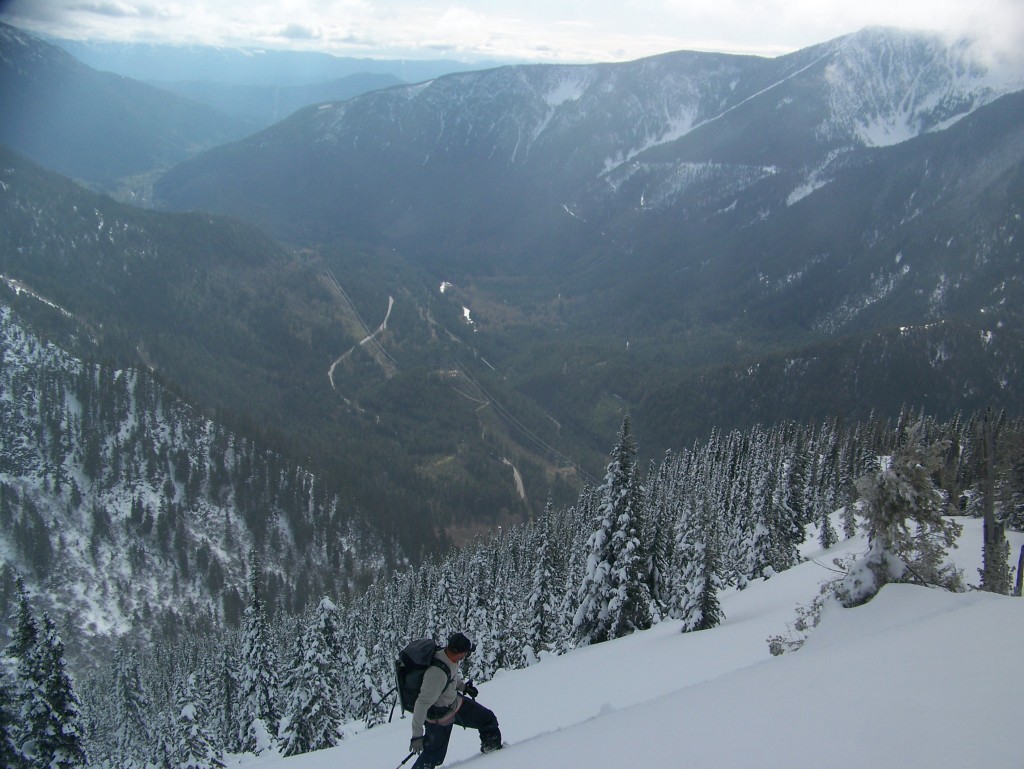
{"x": 114, "y": 10}
{"x": 300, "y": 32}
{"x": 997, "y": 30}
{"x": 547, "y": 30}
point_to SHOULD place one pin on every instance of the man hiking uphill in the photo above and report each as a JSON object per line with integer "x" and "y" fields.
{"x": 441, "y": 705}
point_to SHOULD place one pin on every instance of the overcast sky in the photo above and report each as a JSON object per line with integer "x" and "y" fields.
{"x": 531, "y": 30}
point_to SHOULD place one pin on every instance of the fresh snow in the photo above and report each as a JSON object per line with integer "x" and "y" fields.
{"x": 918, "y": 677}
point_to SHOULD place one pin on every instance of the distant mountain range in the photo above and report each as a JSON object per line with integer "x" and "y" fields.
{"x": 262, "y": 105}
{"x": 248, "y": 66}
{"x": 114, "y": 116}
{"x": 257, "y": 86}
{"x": 97, "y": 127}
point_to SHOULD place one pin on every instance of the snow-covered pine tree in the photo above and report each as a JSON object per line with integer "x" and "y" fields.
{"x": 613, "y": 597}
{"x": 573, "y": 534}
{"x": 514, "y": 581}
{"x": 904, "y": 518}
{"x": 541, "y": 615}
{"x": 442, "y": 617}
{"x": 9, "y": 754}
{"x": 193, "y": 746}
{"x": 312, "y": 714}
{"x": 662, "y": 510}
{"x": 826, "y": 531}
{"x": 21, "y": 654}
{"x": 131, "y": 711}
{"x": 479, "y": 603}
{"x": 632, "y": 607}
{"x": 224, "y": 693}
{"x": 64, "y": 734}
{"x": 995, "y": 570}
{"x": 257, "y": 680}
{"x": 1010, "y": 479}
{"x": 504, "y": 636}
{"x": 362, "y": 693}
{"x": 48, "y": 722}
{"x": 698, "y": 550}
{"x": 787, "y": 519}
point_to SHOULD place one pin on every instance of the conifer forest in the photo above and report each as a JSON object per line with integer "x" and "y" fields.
{"x": 646, "y": 543}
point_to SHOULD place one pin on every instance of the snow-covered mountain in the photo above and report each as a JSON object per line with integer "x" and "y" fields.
{"x": 916, "y": 678}
{"x": 567, "y": 135}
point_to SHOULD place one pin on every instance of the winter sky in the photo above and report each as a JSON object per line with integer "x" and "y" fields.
{"x": 520, "y": 30}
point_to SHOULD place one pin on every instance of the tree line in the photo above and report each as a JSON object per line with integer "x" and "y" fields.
{"x": 645, "y": 545}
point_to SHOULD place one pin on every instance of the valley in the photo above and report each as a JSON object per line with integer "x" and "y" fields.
{"x": 700, "y": 242}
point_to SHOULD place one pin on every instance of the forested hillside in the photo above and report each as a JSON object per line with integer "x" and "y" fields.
{"x": 130, "y": 514}
{"x": 643, "y": 545}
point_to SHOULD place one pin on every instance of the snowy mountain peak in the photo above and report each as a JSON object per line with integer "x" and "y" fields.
{"x": 887, "y": 86}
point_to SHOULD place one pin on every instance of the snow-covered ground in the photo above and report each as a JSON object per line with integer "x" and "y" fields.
{"x": 918, "y": 677}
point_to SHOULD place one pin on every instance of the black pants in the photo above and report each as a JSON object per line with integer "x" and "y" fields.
{"x": 470, "y": 716}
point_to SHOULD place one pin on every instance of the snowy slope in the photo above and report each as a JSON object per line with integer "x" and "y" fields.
{"x": 916, "y": 678}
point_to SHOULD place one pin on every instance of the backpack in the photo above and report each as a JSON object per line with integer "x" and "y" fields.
{"x": 411, "y": 664}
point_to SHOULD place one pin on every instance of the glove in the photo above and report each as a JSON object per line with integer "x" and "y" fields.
{"x": 471, "y": 690}
{"x": 416, "y": 745}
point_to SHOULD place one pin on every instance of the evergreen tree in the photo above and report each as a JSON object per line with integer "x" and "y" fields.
{"x": 827, "y": 536}
{"x": 787, "y": 505}
{"x": 22, "y": 652}
{"x": 312, "y": 714}
{"x": 47, "y": 722}
{"x": 1010, "y": 479}
{"x": 10, "y": 756}
{"x": 614, "y": 599}
{"x": 696, "y": 600}
{"x": 632, "y": 607}
{"x": 573, "y": 539}
{"x": 193, "y": 747}
{"x": 258, "y": 682}
{"x": 540, "y": 606}
{"x": 132, "y": 710}
{"x": 662, "y": 510}
{"x": 903, "y": 512}
{"x": 62, "y": 744}
{"x": 480, "y": 603}
{"x": 225, "y": 693}
{"x": 995, "y": 570}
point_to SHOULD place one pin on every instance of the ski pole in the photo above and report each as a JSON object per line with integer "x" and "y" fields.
{"x": 406, "y": 759}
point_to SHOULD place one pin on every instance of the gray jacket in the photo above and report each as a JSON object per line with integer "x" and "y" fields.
{"x": 436, "y": 690}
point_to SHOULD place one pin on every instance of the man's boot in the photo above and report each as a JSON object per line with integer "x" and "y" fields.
{"x": 490, "y": 741}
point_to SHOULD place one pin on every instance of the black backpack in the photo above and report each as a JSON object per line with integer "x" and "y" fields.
{"x": 411, "y": 664}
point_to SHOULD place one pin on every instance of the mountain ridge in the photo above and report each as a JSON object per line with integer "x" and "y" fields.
{"x": 471, "y": 164}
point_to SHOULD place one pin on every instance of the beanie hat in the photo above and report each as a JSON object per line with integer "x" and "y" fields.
{"x": 458, "y": 642}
